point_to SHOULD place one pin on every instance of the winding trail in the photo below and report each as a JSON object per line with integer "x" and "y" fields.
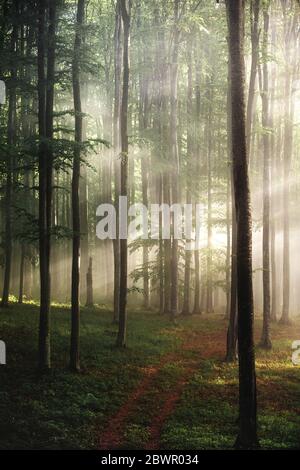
{"x": 206, "y": 345}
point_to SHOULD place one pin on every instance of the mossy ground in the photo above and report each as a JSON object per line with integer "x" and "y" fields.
{"x": 61, "y": 410}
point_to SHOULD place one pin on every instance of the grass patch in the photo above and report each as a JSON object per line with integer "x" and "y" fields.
{"x": 62, "y": 410}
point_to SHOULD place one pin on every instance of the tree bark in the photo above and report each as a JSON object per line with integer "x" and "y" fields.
{"x": 197, "y": 307}
{"x": 209, "y": 287}
{"x": 89, "y": 285}
{"x": 174, "y": 158}
{"x": 116, "y": 139}
{"x": 11, "y": 131}
{"x": 247, "y": 436}
{"x": 287, "y": 158}
{"x": 125, "y": 10}
{"x": 274, "y": 178}
{"x": 75, "y": 292}
{"x": 188, "y": 257}
{"x": 265, "y": 338}
{"x": 231, "y": 345}
{"x": 45, "y": 112}
{"x": 254, "y": 12}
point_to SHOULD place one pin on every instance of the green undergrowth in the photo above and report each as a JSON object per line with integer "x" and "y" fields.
{"x": 61, "y": 410}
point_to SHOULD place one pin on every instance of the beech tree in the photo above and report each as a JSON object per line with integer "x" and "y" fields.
{"x": 247, "y": 437}
{"x": 125, "y": 6}
{"x": 74, "y": 357}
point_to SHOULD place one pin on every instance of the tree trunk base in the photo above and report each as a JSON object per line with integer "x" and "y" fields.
{"x": 197, "y": 312}
{"x": 231, "y": 357}
{"x": 266, "y": 344}
{"x": 246, "y": 443}
{"x": 285, "y": 321}
{"x": 185, "y": 313}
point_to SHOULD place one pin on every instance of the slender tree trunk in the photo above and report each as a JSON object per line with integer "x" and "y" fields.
{"x": 46, "y": 99}
{"x": 209, "y": 289}
{"x": 188, "y": 257}
{"x": 228, "y": 245}
{"x": 83, "y": 206}
{"x": 231, "y": 350}
{"x": 167, "y": 250}
{"x": 265, "y": 338}
{"x": 287, "y": 157}
{"x": 230, "y": 353}
{"x": 247, "y": 436}
{"x": 274, "y": 178}
{"x": 44, "y": 328}
{"x": 197, "y": 307}
{"x": 89, "y": 285}
{"x": 161, "y": 249}
{"x": 116, "y": 138}
{"x": 254, "y": 7}
{"x": 174, "y": 158}
{"x": 187, "y": 271}
{"x": 143, "y": 124}
{"x": 11, "y": 130}
{"x": 21, "y": 280}
{"x": 75, "y": 302}
{"x": 125, "y": 10}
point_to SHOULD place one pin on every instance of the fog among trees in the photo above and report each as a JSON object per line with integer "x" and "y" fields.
{"x": 163, "y": 102}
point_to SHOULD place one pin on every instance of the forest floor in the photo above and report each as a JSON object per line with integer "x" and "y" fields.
{"x": 169, "y": 389}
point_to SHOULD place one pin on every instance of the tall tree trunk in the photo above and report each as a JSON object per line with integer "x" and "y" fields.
{"x": 287, "y": 157}
{"x": 232, "y": 333}
{"x": 174, "y": 162}
{"x": 116, "y": 139}
{"x": 75, "y": 302}
{"x": 197, "y": 307}
{"x": 46, "y": 98}
{"x": 89, "y": 285}
{"x": 190, "y": 143}
{"x": 247, "y": 436}
{"x": 21, "y": 280}
{"x": 228, "y": 218}
{"x": 228, "y": 244}
{"x": 231, "y": 346}
{"x": 265, "y": 338}
{"x": 125, "y": 10}
{"x": 161, "y": 249}
{"x": 167, "y": 249}
{"x": 11, "y": 131}
{"x": 209, "y": 289}
{"x": 187, "y": 270}
{"x": 83, "y": 206}
{"x": 274, "y": 177}
{"x": 143, "y": 125}
{"x": 44, "y": 328}
{"x": 174, "y": 158}
{"x": 254, "y": 14}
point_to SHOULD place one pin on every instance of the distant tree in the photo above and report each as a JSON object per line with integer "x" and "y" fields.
{"x": 75, "y": 309}
{"x": 264, "y": 86}
{"x": 10, "y": 159}
{"x": 46, "y": 48}
{"x": 125, "y": 11}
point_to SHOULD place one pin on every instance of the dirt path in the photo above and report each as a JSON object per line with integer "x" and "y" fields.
{"x": 206, "y": 345}
{"x": 210, "y": 345}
